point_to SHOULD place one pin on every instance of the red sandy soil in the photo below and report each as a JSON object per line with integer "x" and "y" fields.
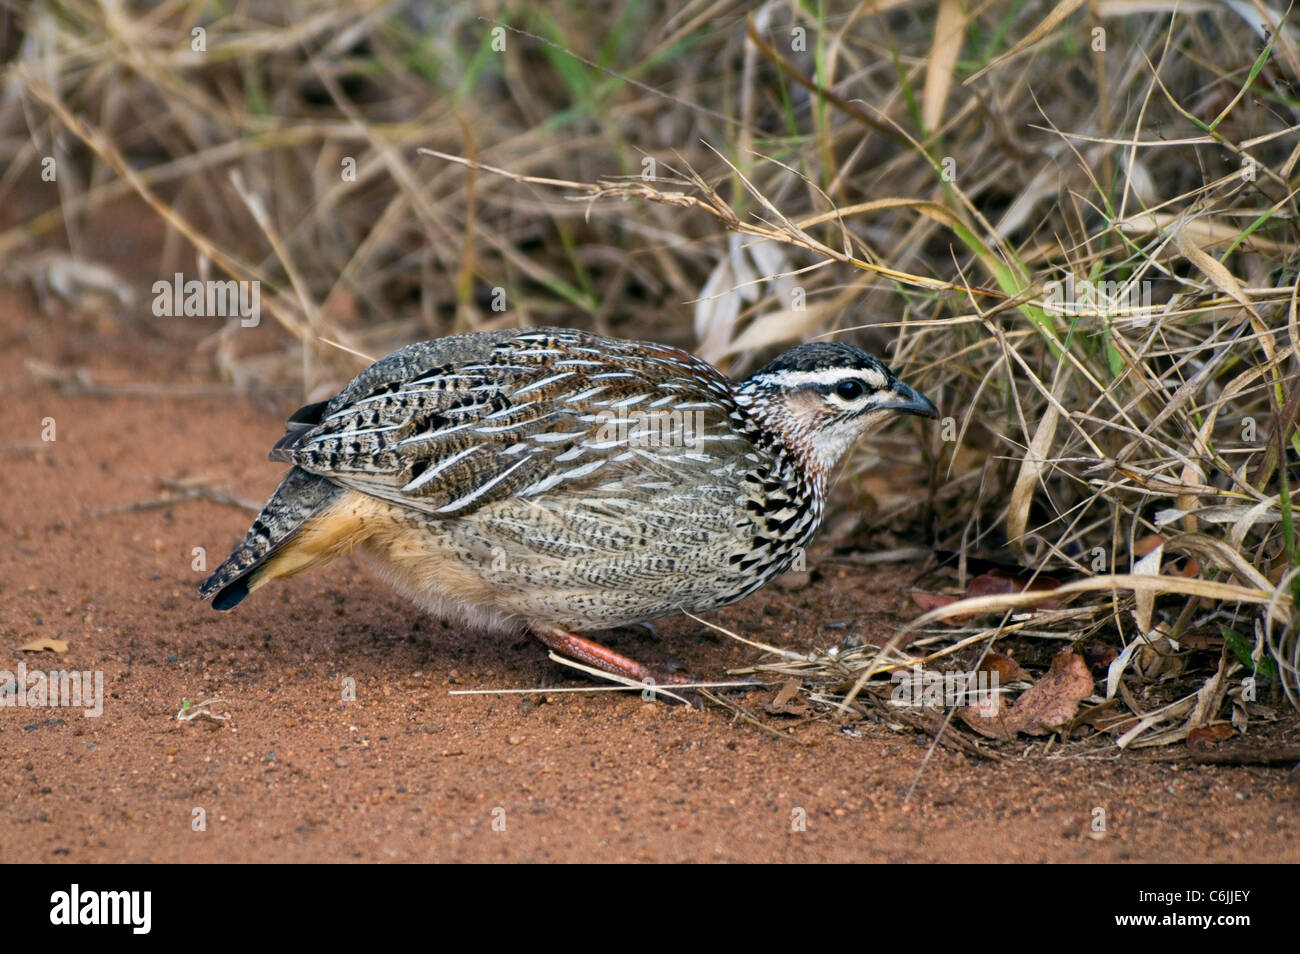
{"x": 409, "y": 772}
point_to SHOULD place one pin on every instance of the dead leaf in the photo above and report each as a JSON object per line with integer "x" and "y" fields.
{"x": 1145, "y": 600}
{"x": 1034, "y": 464}
{"x": 1192, "y": 568}
{"x": 1008, "y": 669}
{"x": 949, "y": 32}
{"x": 1147, "y": 544}
{"x": 928, "y": 601}
{"x": 777, "y": 327}
{"x": 1208, "y": 736}
{"x": 1106, "y": 718}
{"x": 45, "y": 644}
{"x": 1213, "y": 269}
{"x": 1050, "y": 702}
{"x": 1054, "y": 699}
{"x": 988, "y": 716}
{"x": 735, "y": 282}
{"x": 1203, "y": 231}
{"x": 998, "y": 582}
{"x": 787, "y": 694}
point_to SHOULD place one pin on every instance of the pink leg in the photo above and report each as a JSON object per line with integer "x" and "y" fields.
{"x": 606, "y": 660}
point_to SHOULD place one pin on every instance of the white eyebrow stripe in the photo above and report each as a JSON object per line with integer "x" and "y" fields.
{"x": 481, "y": 489}
{"x": 433, "y": 472}
{"x": 826, "y": 376}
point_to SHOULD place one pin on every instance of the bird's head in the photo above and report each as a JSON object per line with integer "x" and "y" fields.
{"x": 821, "y": 397}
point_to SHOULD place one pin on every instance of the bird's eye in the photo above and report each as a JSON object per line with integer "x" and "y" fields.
{"x": 850, "y": 390}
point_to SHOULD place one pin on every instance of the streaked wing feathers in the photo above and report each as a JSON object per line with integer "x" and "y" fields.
{"x": 448, "y": 426}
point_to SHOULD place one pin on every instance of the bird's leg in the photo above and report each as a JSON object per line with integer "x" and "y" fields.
{"x": 606, "y": 660}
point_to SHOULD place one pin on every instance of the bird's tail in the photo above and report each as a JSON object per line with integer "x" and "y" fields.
{"x": 304, "y": 524}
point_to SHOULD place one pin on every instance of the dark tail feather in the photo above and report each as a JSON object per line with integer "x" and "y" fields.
{"x": 299, "y": 423}
{"x": 299, "y": 496}
{"x": 231, "y": 595}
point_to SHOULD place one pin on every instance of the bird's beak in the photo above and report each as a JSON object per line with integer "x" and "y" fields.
{"x": 907, "y": 400}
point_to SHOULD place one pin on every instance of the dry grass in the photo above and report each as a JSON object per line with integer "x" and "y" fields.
{"x": 926, "y": 177}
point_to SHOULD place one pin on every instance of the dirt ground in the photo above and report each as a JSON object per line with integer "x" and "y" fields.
{"x": 409, "y": 772}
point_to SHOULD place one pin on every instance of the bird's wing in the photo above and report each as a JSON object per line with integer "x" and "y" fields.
{"x": 450, "y": 425}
